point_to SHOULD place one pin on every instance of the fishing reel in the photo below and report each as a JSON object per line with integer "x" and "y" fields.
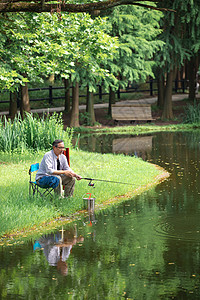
{"x": 91, "y": 184}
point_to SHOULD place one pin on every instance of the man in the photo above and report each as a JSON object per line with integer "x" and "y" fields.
{"x": 55, "y": 172}
{"x": 57, "y": 247}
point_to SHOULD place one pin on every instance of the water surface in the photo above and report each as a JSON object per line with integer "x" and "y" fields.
{"x": 146, "y": 248}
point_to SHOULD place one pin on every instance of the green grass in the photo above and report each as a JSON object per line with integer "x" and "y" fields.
{"x": 192, "y": 113}
{"x": 138, "y": 129}
{"x": 32, "y": 132}
{"x": 19, "y": 211}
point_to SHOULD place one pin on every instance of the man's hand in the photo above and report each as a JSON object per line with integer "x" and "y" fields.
{"x": 69, "y": 173}
{"x": 78, "y": 177}
{"x": 72, "y": 174}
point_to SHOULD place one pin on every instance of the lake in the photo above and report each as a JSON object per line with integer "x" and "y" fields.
{"x": 145, "y": 248}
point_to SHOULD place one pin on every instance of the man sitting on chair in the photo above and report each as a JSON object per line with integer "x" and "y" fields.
{"x": 54, "y": 171}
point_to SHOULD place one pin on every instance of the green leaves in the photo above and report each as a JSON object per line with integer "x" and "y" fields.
{"x": 181, "y": 34}
{"x": 137, "y": 30}
{"x": 10, "y": 79}
{"x": 32, "y": 132}
{"x": 41, "y": 44}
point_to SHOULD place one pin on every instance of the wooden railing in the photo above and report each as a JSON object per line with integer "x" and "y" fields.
{"x": 150, "y": 87}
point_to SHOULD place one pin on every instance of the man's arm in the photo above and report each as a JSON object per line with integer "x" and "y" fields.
{"x": 69, "y": 173}
{"x": 66, "y": 170}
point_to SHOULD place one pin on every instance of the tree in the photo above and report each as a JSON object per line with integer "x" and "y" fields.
{"x": 181, "y": 35}
{"x": 67, "y": 94}
{"x": 191, "y": 22}
{"x": 89, "y": 47}
{"x": 72, "y": 47}
{"x": 58, "y": 6}
{"x": 90, "y": 107}
{"x": 74, "y": 121}
{"x": 22, "y": 57}
{"x": 137, "y": 30}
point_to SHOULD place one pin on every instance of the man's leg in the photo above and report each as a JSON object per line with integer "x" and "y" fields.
{"x": 57, "y": 183}
{"x": 69, "y": 183}
{"x": 58, "y": 189}
{"x": 49, "y": 181}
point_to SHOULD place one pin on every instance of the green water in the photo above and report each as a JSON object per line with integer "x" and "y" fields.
{"x": 146, "y": 248}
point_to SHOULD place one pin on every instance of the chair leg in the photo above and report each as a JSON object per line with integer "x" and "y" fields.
{"x": 30, "y": 187}
{"x": 34, "y": 188}
{"x": 48, "y": 191}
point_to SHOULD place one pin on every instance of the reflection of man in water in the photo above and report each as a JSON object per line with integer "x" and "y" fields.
{"x": 57, "y": 248}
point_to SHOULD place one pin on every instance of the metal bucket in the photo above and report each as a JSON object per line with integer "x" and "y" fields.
{"x": 89, "y": 203}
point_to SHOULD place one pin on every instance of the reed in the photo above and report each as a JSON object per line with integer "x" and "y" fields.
{"x": 192, "y": 113}
{"x": 32, "y": 132}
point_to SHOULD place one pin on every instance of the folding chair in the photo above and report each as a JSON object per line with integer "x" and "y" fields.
{"x": 36, "y": 188}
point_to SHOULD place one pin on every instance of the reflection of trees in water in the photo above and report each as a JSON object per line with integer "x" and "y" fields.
{"x": 127, "y": 258}
{"x": 176, "y": 154}
{"x": 139, "y": 146}
{"x": 193, "y": 139}
{"x": 103, "y": 143}
{"x": 96, "y": 143}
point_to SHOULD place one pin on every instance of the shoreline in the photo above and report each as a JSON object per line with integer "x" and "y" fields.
{"x": 15, "y": 237}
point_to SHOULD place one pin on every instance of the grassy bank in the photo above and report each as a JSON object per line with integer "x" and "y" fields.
{"x": 19, "y": 211}
{"x": 138, "y": 129}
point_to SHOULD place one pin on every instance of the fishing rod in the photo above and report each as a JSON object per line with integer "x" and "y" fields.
{"x": 92, "y": 184}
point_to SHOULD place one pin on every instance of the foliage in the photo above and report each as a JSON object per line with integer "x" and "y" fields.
{"x": 85, "y": 118}
{"x": 190, "y": 19}
{"x": 138, "y": 30}
{"x": 32, "y": 132}
{"x": 19, "y": 51}
{"x": 180, "y": 33}
{"x": 39, "y": 45}
{"x": 10, "y": 79}
{"x": 192, "y": 113}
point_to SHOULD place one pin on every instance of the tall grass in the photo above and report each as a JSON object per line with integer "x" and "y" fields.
{"x": 32, "y": 132}
{"x": 192, "y": 113}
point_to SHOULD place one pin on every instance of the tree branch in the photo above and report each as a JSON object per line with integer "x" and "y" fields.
{"x": 44, "y": 6}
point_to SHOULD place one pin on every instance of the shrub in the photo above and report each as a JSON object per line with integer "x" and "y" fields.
{"x": 192, "y": 113}
{"x": 32, "y": 132}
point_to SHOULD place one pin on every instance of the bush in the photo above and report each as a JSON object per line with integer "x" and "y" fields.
{"x": 32, "y": 132}
{"x": 192, "y": 113}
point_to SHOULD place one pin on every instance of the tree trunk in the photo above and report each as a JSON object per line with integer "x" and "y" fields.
{"x": 167, "y": 109}
{"x": 90, "y": 107}
{"x": 67, "y": 94}
{"x": 42, "y": 6}
{"x": 74, "y": 120}
{"x": 25, "y": 103}
{"x": 161, "y": 88}
{"x": 111, "y": 101}
{"x": 192, "y": 78}
{"x": 13, "y": 105}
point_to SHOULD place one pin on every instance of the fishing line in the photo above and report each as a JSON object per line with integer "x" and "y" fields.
{"x": 111, "y": 181}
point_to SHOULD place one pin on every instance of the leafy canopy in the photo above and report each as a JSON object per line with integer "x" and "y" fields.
{"x": 39, "y": 45}
{"x": 137, "y": 30}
